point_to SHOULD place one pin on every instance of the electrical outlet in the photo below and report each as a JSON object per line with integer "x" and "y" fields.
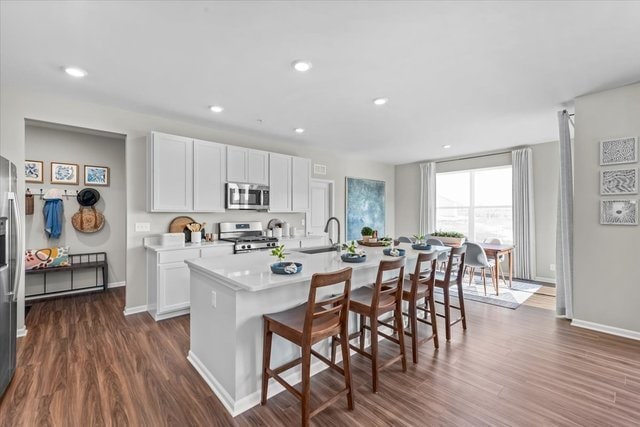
{"x": 302, "y": 221}
{"x": 142, "y": 227}
{"x": 552, "y": 267}
{"x": 214, "y": 299}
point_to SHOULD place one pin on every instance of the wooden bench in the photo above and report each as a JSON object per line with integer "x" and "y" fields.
{"x": 97, "y": 260}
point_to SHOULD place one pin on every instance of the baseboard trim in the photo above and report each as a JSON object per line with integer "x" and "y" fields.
{"x": 22, "y": 332}
{"x": 612, "y": 330}
{"x": 234, "y": 407}
{"x": 134, "y": 310}
{"x": 116, "y": 284}
{"x": 545, "y": 279}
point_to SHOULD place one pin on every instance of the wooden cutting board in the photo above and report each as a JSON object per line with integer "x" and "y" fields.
{"x": 179, "y": 223}
{"x": 371, "y": 245}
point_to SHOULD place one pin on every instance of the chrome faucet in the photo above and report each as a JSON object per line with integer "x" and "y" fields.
{"x": 326, "y": 229}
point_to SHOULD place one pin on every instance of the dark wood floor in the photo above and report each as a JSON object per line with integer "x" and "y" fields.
{"x": 83, "y": 363}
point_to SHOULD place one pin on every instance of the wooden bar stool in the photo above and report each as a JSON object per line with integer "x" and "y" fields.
{"x": 371, "y": 303}
{"x": 418, "y": 287}
{"x": 305, "y": 326}
{"x": 455, "y": 271}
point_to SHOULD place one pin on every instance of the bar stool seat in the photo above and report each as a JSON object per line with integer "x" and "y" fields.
{"x": 361, "y": 300}
{"x": 306, "y": 325}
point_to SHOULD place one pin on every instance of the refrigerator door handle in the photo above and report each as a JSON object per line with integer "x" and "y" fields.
{"x": 19, "y": 256}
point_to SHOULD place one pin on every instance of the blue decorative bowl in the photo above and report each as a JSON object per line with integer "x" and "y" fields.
{"x": 387, "y": 252}
{"x": 353, "y": 258}
{"x": 421, "y": 247}
{"x": 279, "y": 267}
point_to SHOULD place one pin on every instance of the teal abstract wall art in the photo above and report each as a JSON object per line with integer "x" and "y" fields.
{"x": 365, "y": 206}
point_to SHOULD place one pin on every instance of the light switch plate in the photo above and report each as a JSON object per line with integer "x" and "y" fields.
{"x": 214, "y": 299}
{"x": 142, "y": 227}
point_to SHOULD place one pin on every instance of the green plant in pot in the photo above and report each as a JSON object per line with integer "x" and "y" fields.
{"x": 420, "y": 239}
{"x": 453, "y": 238}
{"x": 366, "y": 232}
{"x": 279, "y": 253}
{"x": 352, "y": 249}
{"x": 282, "y": 267}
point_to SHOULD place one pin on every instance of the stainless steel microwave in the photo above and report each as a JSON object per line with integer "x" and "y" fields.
{"x": 247, "y": 196}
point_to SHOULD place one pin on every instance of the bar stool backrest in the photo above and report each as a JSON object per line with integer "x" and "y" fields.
{"x": 388, "y": 293}
{"x": 327, "y": 315}
{"x": 455, "y": 264}
{"x": 426, "y": 263}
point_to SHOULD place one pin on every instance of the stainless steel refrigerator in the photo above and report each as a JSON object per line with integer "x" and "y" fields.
{"x": 10, "y": 265}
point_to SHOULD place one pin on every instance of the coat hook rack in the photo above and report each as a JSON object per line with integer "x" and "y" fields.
{"x": 42, "y": 192}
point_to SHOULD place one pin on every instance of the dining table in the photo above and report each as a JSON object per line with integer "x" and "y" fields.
{"x": 494, "y": 250}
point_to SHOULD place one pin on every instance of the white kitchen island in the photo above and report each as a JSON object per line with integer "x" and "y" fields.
{"x": 229, "y": 295}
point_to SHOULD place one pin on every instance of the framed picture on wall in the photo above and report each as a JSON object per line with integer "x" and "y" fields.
{"x": 619, "y": 181}
{"x": 96, "y": 175}
{"x": 64, "y": 173}
{"x": 618, "y": 151}
{"x": 33, "y": 171}
{"x": 619, "y": 212}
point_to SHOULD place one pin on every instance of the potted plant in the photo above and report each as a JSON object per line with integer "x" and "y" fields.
{"x": 353, "y": 254}
{"x": 420, "y": 239}
{"x": 366, "y": 232}
{"x": 282, "y": 267}
{"x": 451, "y": 238}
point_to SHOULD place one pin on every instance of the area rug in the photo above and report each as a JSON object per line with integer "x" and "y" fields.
{"x": 509, "y": 297}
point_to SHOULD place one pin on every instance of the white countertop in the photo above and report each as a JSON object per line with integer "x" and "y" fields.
{"x": 160, "y": 248}
{"x": 252, "y": 272}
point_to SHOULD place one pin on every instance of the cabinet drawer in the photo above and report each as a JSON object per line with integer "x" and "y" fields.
{"x": 177, "y": 256}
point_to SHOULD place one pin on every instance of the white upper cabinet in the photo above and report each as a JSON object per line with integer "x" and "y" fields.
{"x": 209, "y": 171}
{"x": 279, "y": 183}
{"x": 185, "y": 175}
{"x": 301, "y": 180}
{"x": 170, "y": 168}
{"x": 246, "y": 165}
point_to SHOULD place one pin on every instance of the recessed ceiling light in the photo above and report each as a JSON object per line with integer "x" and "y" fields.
{"x": 446, "y": 146}
{"x": 380, "y": 101}
{"x": 298, "y": 130}
{"x": 75, "y": 72}
{"x": 216, "y": 109}
{"x": 302, "y": 66}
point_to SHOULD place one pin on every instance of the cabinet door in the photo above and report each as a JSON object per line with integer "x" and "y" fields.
{"x": 171, "y": 169}
{"x": 236, "y": 164}
{"x": 258, "y": 167}
{"x": 279, "y": 183}
{"x": 209, "y": 171}
{"x": 301, "y": 178}
{"x": 173, "y": 287}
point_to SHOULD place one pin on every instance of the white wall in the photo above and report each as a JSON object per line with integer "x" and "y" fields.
{"x": 607, "y": 257}
{"x": 545, "y": 175}
{"x": 17, "y": 105}
{"x": 73, "y": 146}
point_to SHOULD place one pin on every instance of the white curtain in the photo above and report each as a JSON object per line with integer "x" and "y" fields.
{"x": 523, "y": 214}
{"x": 427, "y": 197}
{"x": 564, "y": 230}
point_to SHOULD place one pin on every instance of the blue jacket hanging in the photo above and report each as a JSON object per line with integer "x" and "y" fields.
{"x": 53, "y": 218}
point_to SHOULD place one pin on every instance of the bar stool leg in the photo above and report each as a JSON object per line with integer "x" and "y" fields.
{"x": 461, "y": 305}
{"x": 374, "y": 352}
{"x": 362, "y": 334}
{"x": 413, "y": 322}
{"x": 266, "y": 360}
{"x": 306, "y": 384}
{"x": 447, "y": 313}
{"x": 432, "y": 312}
{"x": 400, "y": 330}
{"x": 346, "y": 365}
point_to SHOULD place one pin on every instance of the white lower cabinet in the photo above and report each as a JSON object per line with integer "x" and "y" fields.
{"x": 168, "y": 279}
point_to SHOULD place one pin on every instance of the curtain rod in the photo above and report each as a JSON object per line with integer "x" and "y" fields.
{"x": 497, "y": 153}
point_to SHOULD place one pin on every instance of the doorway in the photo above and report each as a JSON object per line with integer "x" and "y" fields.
{"x": 322, "y": 206}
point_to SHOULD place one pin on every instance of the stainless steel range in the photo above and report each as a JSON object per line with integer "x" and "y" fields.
{"x": 247, "y": 236}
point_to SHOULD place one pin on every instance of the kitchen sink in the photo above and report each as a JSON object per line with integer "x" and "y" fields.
{"x": 318, "y": 250}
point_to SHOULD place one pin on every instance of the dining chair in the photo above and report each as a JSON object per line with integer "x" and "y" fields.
{"x": 477, "y": 258}
{"x": 443, "y": 257}
{"x": 305, "y": 326}
{"x": 497, "y": 241}
{"x": 404, "y": 239}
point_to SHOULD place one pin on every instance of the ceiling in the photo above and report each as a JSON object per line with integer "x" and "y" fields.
{"x": 479, "y": 76}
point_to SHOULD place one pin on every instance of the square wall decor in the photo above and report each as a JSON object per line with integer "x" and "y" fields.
{"x": 619, "y": 181}
{"x": 618, "y": 151}
{"x": 33, "y": 171}
{"x": 619, "y": 212}
{"x": 96, "y": 175}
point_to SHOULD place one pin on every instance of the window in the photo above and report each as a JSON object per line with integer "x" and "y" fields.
{"x": 475, "y": 202}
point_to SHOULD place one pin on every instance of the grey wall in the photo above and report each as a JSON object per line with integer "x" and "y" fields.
{"x": 607, "y": 257}
{"x": 67, "y": 146}
{"x": 545, "y": 165}
{"x": 17, "y": 105}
